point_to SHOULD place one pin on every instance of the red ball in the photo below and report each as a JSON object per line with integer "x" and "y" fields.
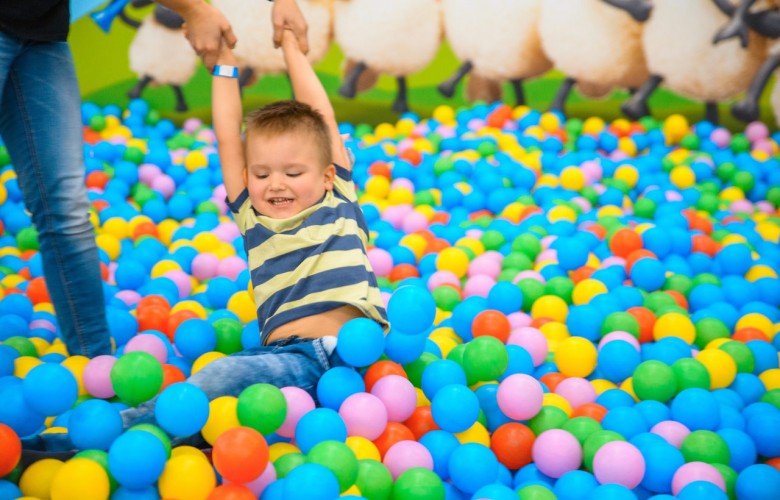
{"x": 624, "y": 241}
{"x": 512, "y": 444}
{"x": 491, "y": 323}
{"x": 10, "y": 449}
{"x": 240, "y": 454}
{"x": 421, "y": 421}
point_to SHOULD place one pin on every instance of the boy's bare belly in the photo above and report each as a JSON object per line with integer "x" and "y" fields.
{"x": 317, "y": 325}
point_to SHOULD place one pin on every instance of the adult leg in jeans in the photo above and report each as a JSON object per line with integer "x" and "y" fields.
{"x": 40, "y": 122}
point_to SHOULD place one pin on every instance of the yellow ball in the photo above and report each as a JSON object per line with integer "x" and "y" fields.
{"x": 720, "y": 365}
{"x": 36, "y": 479}
{"x": 164, "y": 266}
{"x": 513, "y": 212}
{"x": 472, "y": 244}
{"x": 558, "y": 401}
{"x": 187, "y": 476}
{"x": 593, "y": 125}
{"x": 405, "y": 126}
{"x": 627, "y": 174}
{"x": 674, "y": 325}
{"x": 80, "y": 479}
{"x": 550, "y": 306}
{"x": 600, "y": 385}
{"x": 628, "y": 386}
{"x": 444, "y": 343}
{"x": 190, "y": 305}
{"x": 277, "y": 450}
{"x": 205, "y": 359}
{"x": 454, "y": 260}
{"x": 422, "y": 399}
{"x": 400, "y": 196}
{"x": 682, "y": 177}
{"x": 572, "y": 178}
{"x": 222, "y": 417}
{"x": 3, "y": 194}
{"x": 757, "y": 321}
{"x": 771, "y": 378}
{"x": 474, "y": 434}
{"x": 768, "y": 231}
{"x": 549, "y": 122}
{"x": 165, "y": 230}
{"x": 378, "y": 186}
{"x": 628, "y": 146}
{"x": 757, "y": 272}
{"x": 610, "y": 211}
{"x": 205, "y": 242}
{"x": 416, "y": 243}
{"x": 76, "y": 366}
{"x": 187, "y": 450}
{"x": 224, "y": 250}
{"x": 675, "y": 128}
{"x": 554, "y": 332}
{"x": 385, "y": 131}
{"x": 585, "y": 290}
{"x": 576, "y": 357}
{"x": 242, "y": 304}
{"x": 363, "y": 448}
{"x": 41, "y": 345}
{"x": 562, "y": 212}
{"x": 195, "y": 160}
{"x": 23, "y": 365}
{"x": 732, "y": 193}
{"x": 117, "y": 227}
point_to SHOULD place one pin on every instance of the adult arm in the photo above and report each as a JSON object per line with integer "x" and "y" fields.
{"x": 287, "y": 16}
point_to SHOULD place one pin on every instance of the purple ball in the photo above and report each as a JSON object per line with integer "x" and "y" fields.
{"x": 364, "y": 414}
{"x": 696, "y": 471}
{"x": 556, "y": 452}
{"x": 97, "y": 376}
{"x": 405, "y": 455}
{"x": 619, "y": 462}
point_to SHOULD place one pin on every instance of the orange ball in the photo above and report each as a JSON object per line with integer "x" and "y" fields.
{"x": 702, "y": 243}
{"x": 411, "y": 155}
{"x": 240, "y": 454}
{"x": 403, "y": 271}
{"x": 171, "y": 375}
{"x": 678, "y": 298}
{"x": 499, "y": 116}
{"x": 582, "y": 273}
{"x": 646, "y": 319}
{"x": 37, "y": 291}
{"x": 231, "y": 491}
{"x": 145, "y": 229}
{"x": 97, "y": 179}
{"x": 421, "y": 421}
{"x": 491, "y": 323}
{"x": 749, "y": 333}
{"x": 393, "y": 433}
{"x": 774, "y": 462}
{"x": 552, "y": 379}
{"x": 624, "y": 241}
{"x": 512, "y": 444}
{"x": 153, "y": 318}
{"x": 10, "y": 449}
{"x": 379, "y": 370}
{"x": 153, "y": 300}
{"x": 598, "y": 230}
{"x": 592, "y": 410}
{"x": 380, "y": 168}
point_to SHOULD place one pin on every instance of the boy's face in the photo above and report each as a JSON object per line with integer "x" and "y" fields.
{"x": 285, "y": 174}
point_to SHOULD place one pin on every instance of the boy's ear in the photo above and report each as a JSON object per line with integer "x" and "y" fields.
{"x": 330, "y": 174}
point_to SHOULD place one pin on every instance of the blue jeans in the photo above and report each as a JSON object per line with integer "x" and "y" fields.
{"x": 40, "y": 122}
{"x": 292, "y": 361}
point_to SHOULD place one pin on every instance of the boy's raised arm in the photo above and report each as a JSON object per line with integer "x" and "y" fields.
{"x": 308, "y": 89}
{"x": 227, "y": 117}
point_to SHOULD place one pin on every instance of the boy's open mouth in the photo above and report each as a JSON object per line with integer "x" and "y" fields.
{"x": 280, "y": 201}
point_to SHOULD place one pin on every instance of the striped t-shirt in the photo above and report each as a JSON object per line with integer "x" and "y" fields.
{"x": 312, "y": 262}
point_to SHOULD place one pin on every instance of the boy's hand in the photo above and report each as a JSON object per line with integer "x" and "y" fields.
{"x": 287, "y": 16}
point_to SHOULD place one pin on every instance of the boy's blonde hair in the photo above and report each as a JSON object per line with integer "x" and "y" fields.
{"x": 289, "y": 116}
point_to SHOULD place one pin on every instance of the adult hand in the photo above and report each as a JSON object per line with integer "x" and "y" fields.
{"x": 287, "y": 16}
{"x": 205, "y": 28}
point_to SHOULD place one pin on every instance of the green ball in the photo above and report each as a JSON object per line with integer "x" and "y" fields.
{"x": 262, "y": 407}
{"x": 594, "y": 443}
{"x": 645, "y": 208}
{"x": 730, "y": 478}
{"x": 582, "y": 428}
{"x": 532, "y": 290}
{"x": 424, "y": 197}
{"x": 442, "y": 165}
{"x": 741, "y": 354}
{"x": 133, "y": 154}
{"x": 654, "y": 380}
{"x": 446, "y": 297}
{"x": 456, "y": 354}
{"x": 362, "y": 129}
{"x": 492, "y": 239}
{"x": 689, "y": 372}
{"x": 517, "y": 260}
{"x": 560, "y": 286}
{"x": 620, "y": 322}
{"x": 725, "y": 171}
{"x": 414, "y": 370}
{"x": 417, "y": 483}
{"x": 136, "y": 377}
{"x": 703, "y": 278}
{"x": 142, "y": 193}
{"x": 574, "y": 126}
{"x": 27, "y": 239}
{"x": 156, "y": 432}
{"x": 228, "y": 335}
{"x": 508, "y": 274}
{"x": 657, "y": 300}
{"x": 705, "y": 446}
{"x": 709, "y": 202}
{"x": 740, "y": 143}
{"x": 152, "y": 117}
{"x": 679, "y": 283}
{"x": 590, "y": 194}
{"x": 22, "y": 345}
{"x": 374, "y": 480}
{"x": 339, "y": 458}
{"x": 744, "y": 180}
{"x": 528, "y": 244}
{"x": 287, "y": 463}
{"x": 690, "y": 141}
{"x": 484, "y": 359}
{"x": 536, "y": 492}
{"x": 772, "y": 397}
{"x": 100, "y": 457}
{"x": 772, "y": 196}
{"x": 549, "y": 417}
{"x": 5, "y": 158}
{"x": 709, "y": 329}
{"x": 207, "y": 207}
{"x": 97, "y": 123}
{"x": 487, "y": 148}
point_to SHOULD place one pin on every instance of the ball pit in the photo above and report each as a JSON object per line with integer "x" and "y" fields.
{"x": 570, "y": 299}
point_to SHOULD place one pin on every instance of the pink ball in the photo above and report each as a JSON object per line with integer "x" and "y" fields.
{"x": 299, "y": 402}
{"x": 226, "y": 231}
{"x": 696, "y": 471}
{"x": 613, "y": 260}
{"x": 674, "y": 432}
{"x": 402, "y": 183}
{"x": 149, "y": 343}
{"x": 364, "y": 414}
{"x": 204, "y": 266}
{"x": 742, "y": 206}
{"x": 556, "y": 452}
{"x": 479, "y": 285}
{"x": 191, "y": 125}
{"x": 619, "y": 462}
{"x": 474, "y": 233}
{"x": 381, "y": 261}
{"x": 577, "y": 391}
{"x": 129, "y": 297}
{"x": 147, "y": 172}
{"x": 549, "y": 254}
{"x": 547, "y": 241}
{"x": 534, "y": 275}
{"x": 618, "y": 335}
{"x": 765, "y": 207}
{"x": 405, "y": 455}
{"x": 484, "y": 266}
{"x": 164, "y": 185}
{"x": 231, "y": 266}
{"x": 440, "y": 278}
{"x": 182, "y": 280}
{"x": 765, "y": 146}
{"x": 43, "y": 323}
{"x": 519, "y": 319}
{"x": 756, "y": 131}
{"x": 520, "y": 396}
{"x": 592, "y": 169}
{"x": 263, "y": 480}
{"x": 583, "y": 203}
{"x": 395, "y": 214}
{"x": 413, "y": 222}
{"x": 532, "y": 340}
{"x": 398, "y": 396}
{"x": 721, "y": 137}
{"x": 97, "y": 376}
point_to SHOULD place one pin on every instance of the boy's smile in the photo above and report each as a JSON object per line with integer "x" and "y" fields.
{"x": 284, "y": 174}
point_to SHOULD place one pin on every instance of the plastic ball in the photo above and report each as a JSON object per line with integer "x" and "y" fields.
{"x": 182, "y": 409}
{"x": 418, "y": 483}
{"x": 187, "y": 476}
{"x": 361, "y": 342}
{"x": 262, "y": 407}
{"x": 696, "y": 471}
{"x": 136, "y": 459}
{"x": 576, "y": 357}
{"x": 556, "y": 452}
{"x": 365, "y": 415}
{"x": 320, "y": 424}
{"x": 520, "y": 396}
{"x": 398, "y": 395}
{"x": 94, "y": 424}
{"x": 136, "y": 377}
{"x": 472, "y": 466}
{"x": 297, "y": 484}
{"x": 512, "y": 444}
{"x": 619, "y": 462}
{"x": 446, "y": 400}
{"x": 299, "y": 403}
{"x": 405, "y": 455}
{"x": 50, "y": 389}
{"x": 240, "y": 454}
{"x": 80, "y": 478}
{"x": 411, "y": 310}
{"x": 758, "y": 482}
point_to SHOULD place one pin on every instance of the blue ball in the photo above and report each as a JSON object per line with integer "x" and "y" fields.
{"x": 320, "y": 424}
{"x": 626, "y": 421}
{"x": 506, "y": 297}
{"x": 572, "y": 253}
{"x": 440, "y": 444}
{"x": 441, "y": 373}
{"x": 15, "y": 412}
{"x": 764, "y": 354}
{"x": 94, "y": 424}
{"x": 9, "y": 490}
{"x": 337, "y": 384}
{"x": 749, "y": 387}
{"x": 741, "y": 448}
{"x": 17, "y": 304}
{"x": 219, "y": 291}
{"x": 764, "y": 428}
{"x": 464, "y": 313}
{"x": 472, "y": 466}
{"x": 702, "y": 490}
{"x": 195, "y": 337}
{"x": 574, "y": 485}
{"x": 403, "y": 348}
{"x": 648, "y": 274}
{"x": 411, "y": 310}
{"x": 585, "y": 320}
{"x": 486, "y": 394}
{"x": 182, "y": 409}
{"x": 361, "y": 342}
{"x": 148, "y": 493}
{"x": 520, "y": 361}
{"x": 735, "y": 258}
{"x": 617, "y": 360}
{"x": 299, "y": 483}
{"x": 455, "y": 408}
{"x": 758, "y": 482}
{"x": 653, "y": 411}
{"x": 8, "y": 357}
{"x": 661, "y": 462}
{"x": 136, "y": 459}
{"x": 50, "y": 389}
{"x": 697, "y": 409}
{"x": 530, "y": 474}
{"x": 496, "y": 492}
{"x": 615, "y": 398}
{"x": 611, "y": 491}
